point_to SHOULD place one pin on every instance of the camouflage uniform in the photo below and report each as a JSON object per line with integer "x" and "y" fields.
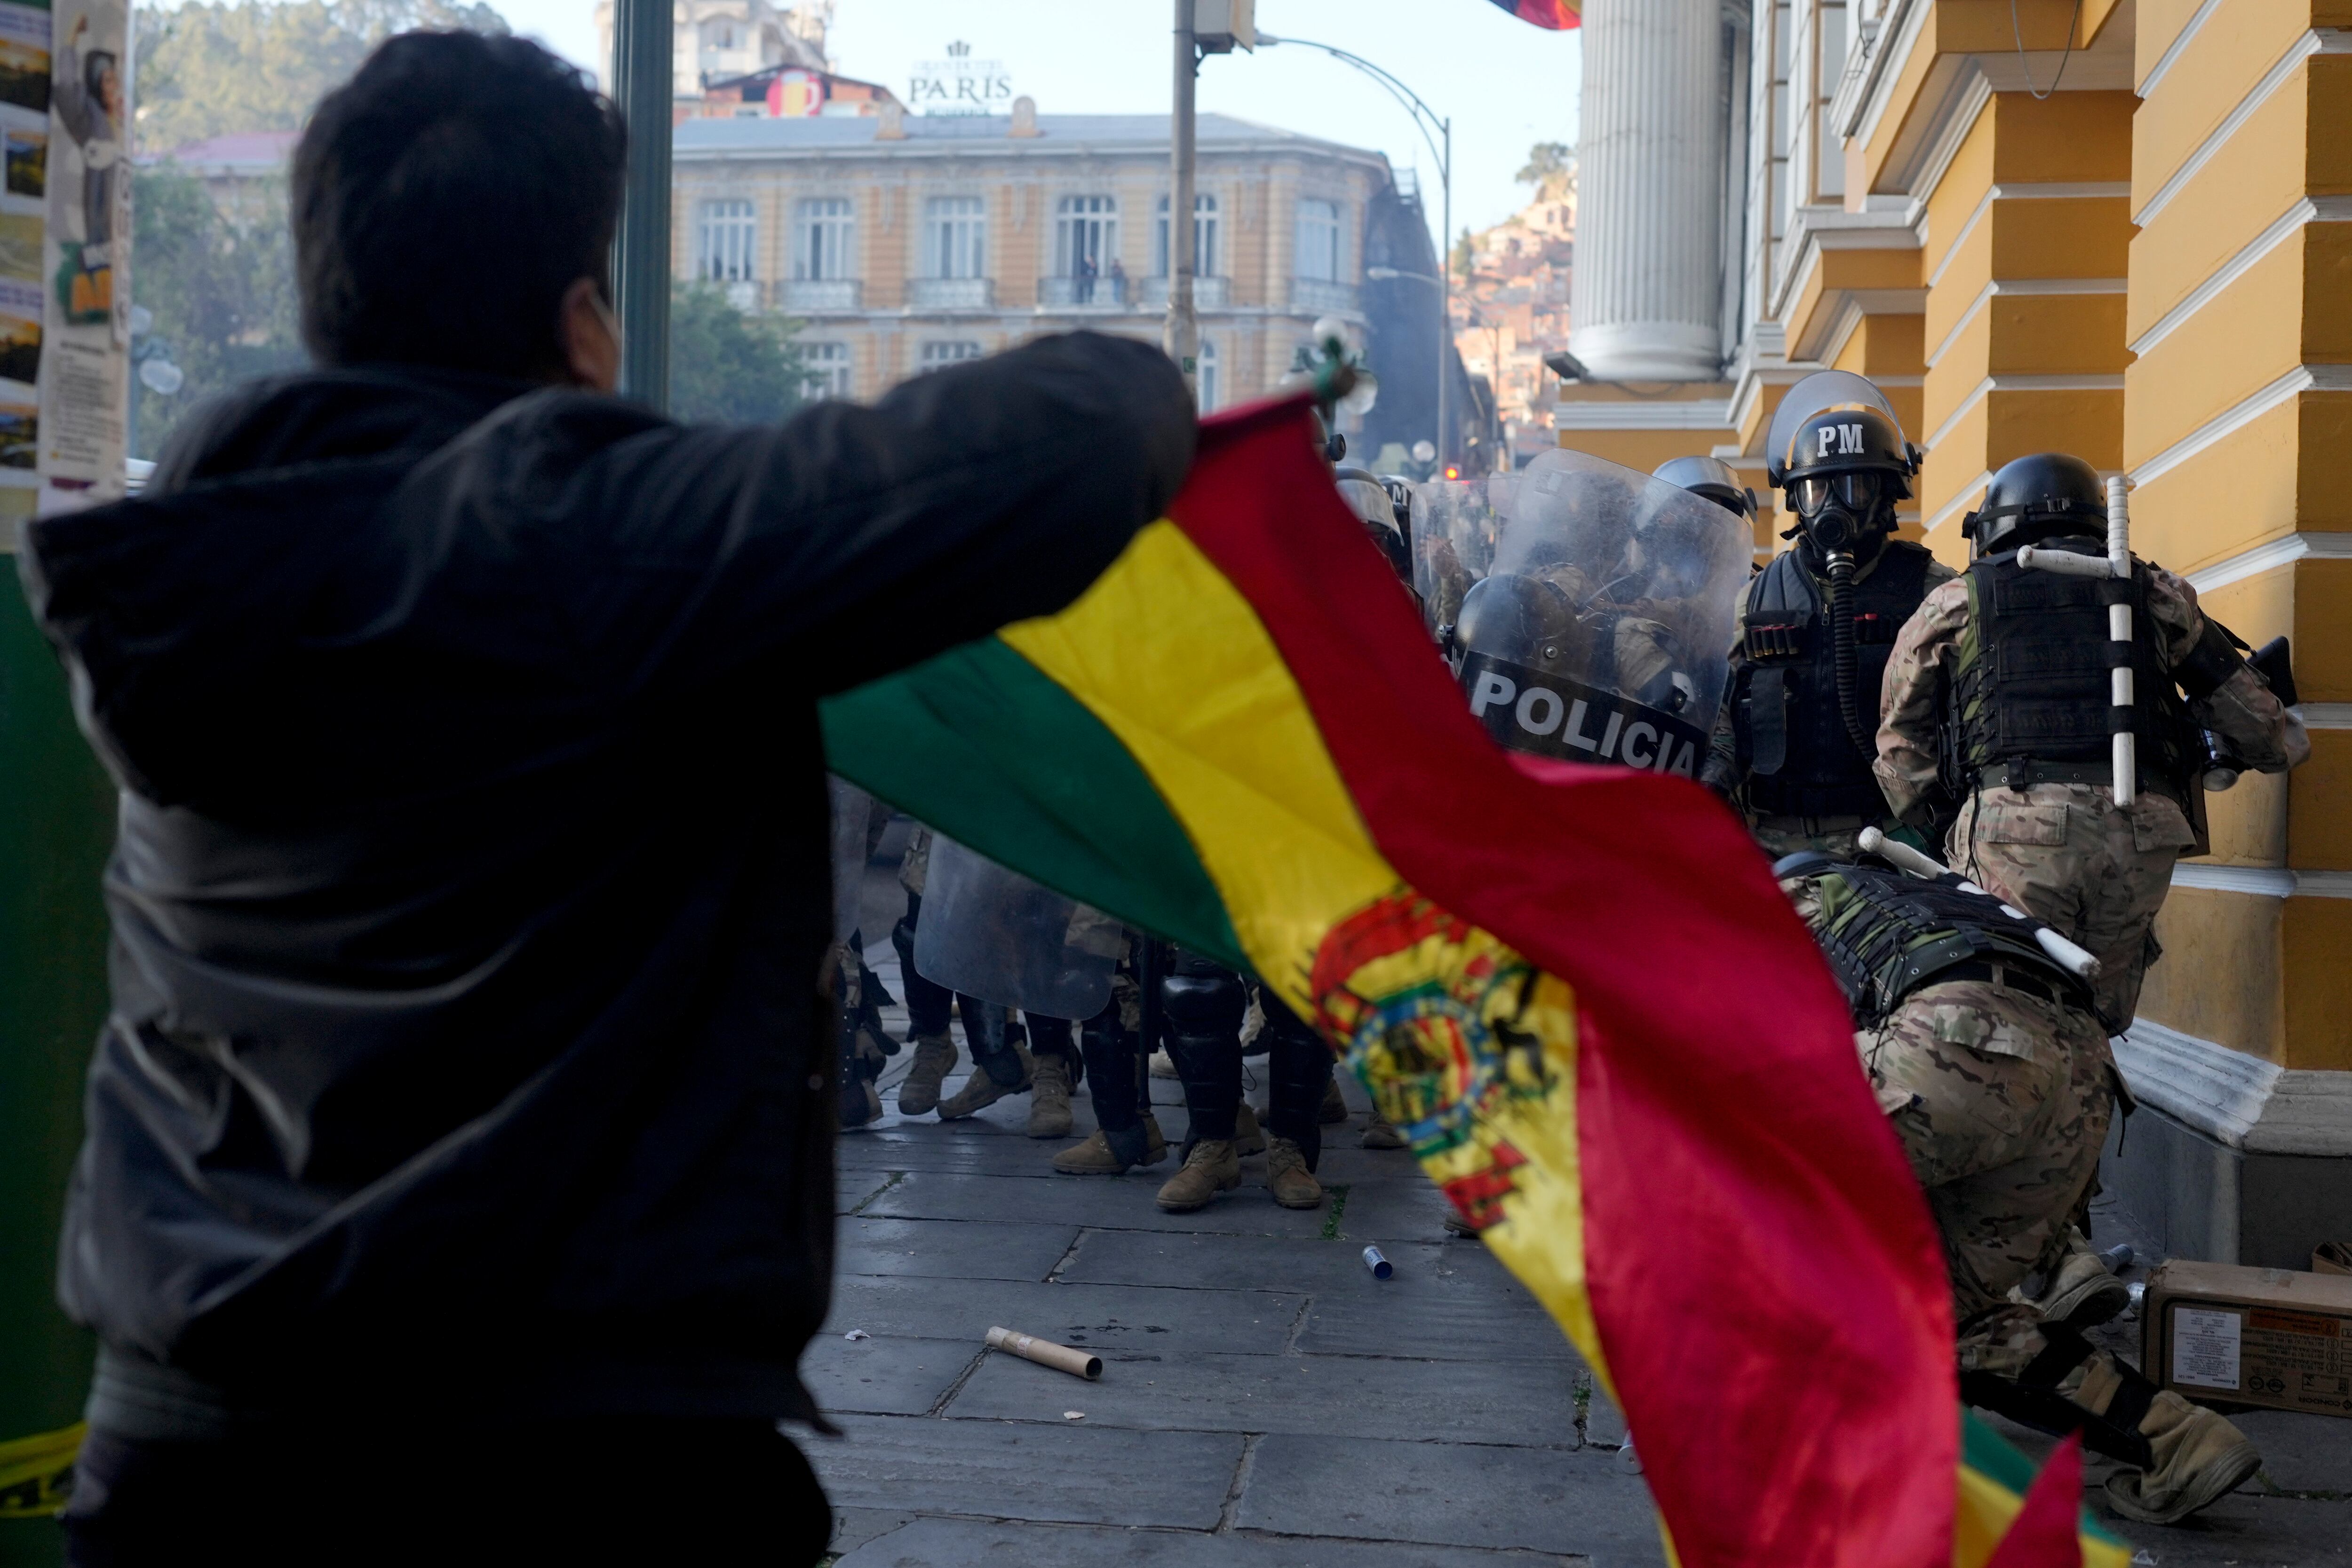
{"x": 2065, "y": 852}
{"x": 2002, "y": 1101}
{"x": 1779, "y": 836}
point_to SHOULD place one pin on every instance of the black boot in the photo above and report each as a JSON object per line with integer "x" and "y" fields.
{"x": 1299, "y": 1066}
{"x": 1205, "y": 1005}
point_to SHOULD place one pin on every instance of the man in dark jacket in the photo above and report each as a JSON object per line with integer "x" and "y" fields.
{"x": 461, "y": 1133}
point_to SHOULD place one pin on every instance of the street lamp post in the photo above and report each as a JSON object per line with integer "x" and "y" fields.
{"x": 1183, "y": 330}
{"x": 643, "y": 40}
{"x": 1442, "y": 145}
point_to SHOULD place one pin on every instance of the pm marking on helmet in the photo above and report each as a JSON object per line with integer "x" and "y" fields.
{"x": 1840, "y": 440}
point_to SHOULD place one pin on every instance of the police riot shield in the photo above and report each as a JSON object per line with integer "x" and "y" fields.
{"x": 1822, "y": 391}
{"x": 852, "y": 811}
{"x": 994, "y": 933}
{"x": 1454, "y": 525}
{"x": 1601, "y": 629}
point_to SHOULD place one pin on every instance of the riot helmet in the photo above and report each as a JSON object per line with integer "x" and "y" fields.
{"x": 1838, "y": 451}
{"x": 1529, "y": 617}
{"x": 1371, "y": 501}
{"x": 2047, "y": 495}
{"x": 1711, "y": 477}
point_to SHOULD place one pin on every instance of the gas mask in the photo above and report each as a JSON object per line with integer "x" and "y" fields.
{"x": 1841, "y": 513}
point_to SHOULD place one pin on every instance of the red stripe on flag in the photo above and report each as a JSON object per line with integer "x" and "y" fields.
{"x": 1768, "y": 1284}
{"x": 1556, "y": 14}
{"x": 2044, "y": 1533}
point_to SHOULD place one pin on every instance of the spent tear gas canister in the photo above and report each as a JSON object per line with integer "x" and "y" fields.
{"x": 1600, "y": 630}
{"x": 994, "y": 933}
{"x": 1378, "y": 1263}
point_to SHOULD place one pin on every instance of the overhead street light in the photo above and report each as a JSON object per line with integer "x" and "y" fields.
{"x": 1424, "y": 119}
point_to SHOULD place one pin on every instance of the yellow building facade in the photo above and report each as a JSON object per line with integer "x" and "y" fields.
{"x": 2122, "y": 230}
{"x": 902, "y": 243}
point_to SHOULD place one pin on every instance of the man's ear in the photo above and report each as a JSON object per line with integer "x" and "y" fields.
{"x": 590, "y": 337}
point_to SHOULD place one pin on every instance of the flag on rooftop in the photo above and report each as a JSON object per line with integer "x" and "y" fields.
{"x": 1577, "y": 989}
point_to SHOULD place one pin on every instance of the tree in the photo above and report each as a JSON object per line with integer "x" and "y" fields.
{"x": 728, "y": 365}
{"x": 1551, "y": 168}
{"x": 219, "y": 294}
{"x": 208, "y": 70}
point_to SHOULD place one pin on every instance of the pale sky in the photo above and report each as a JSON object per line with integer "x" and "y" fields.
{"x": 1506, "y": 85}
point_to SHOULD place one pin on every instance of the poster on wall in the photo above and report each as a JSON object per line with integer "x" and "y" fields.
{"x": 84, "y": 346}
{"x": 24, "y": 87}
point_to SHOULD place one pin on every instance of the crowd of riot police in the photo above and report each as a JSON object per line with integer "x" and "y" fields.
{"x": 1974, "y": 784}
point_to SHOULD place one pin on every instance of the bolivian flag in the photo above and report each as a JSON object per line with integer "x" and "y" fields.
{"x": 1555, "y": 15}
{"x": 1576, "y": 989}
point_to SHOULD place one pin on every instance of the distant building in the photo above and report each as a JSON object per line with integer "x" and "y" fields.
{"x": 1510, "y": 310}
{"x": 790, "y": 93}
{"x": 907, "y": 243}
{"x": 721, "y": 40}
{"x": 243, "y": 172}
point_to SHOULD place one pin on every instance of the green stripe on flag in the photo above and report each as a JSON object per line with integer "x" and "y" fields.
{"x": 1990, "y": 1455}
{"x": 988, "y": 749}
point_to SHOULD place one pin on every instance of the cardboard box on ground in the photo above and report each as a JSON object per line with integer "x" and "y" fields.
{"x": 2222, "y": 1333}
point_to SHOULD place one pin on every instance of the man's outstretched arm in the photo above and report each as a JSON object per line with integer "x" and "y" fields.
{"x": 855, "y": 540}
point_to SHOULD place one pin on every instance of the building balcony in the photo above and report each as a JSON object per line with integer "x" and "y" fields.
{"x": 951, "y": 293}
{"x": 1321, "y": 294}
{"x": 742, "y": 293}
{"x": 1208, "y": 293}
{"x": 1083, "y": 293}
{"x": 820, "y": 296}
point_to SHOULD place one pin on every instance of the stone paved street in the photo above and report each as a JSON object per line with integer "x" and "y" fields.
{"x": 1265, "y": 1402}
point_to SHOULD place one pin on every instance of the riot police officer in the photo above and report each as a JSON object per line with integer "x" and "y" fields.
{"x": 1711, "y": 477}
{"x": 1994, "y": 1072}
{"x": 1999, "y": 692}
{"x": 1206, "y": 1004}
{"x": 1797, "y": 735}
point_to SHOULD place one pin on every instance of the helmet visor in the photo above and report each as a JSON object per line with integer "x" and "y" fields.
{"x": 1859, "y": 492}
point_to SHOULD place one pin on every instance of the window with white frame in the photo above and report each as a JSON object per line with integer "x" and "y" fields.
{"x": 1086, "y": 235}
{"x": 1318, "y": 240}
{"x": 723, "y": 239}
{"x": 1204, "y": 238}
{"x": 1208, "y": 380}
{"x": 938, "y": 356}
{"x": 955, "y": 237}
{"x": 829, "y": 369}
{"x": 822, "y": 232}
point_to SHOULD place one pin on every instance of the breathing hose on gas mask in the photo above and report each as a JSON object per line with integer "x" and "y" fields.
{"x": 1834, "y": 534}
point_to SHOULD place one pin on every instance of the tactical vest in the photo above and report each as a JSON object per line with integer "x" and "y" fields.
{"x": 1794, "y": 751}
{"x": 2033, "y": 689}
{"x": 1886, "y": 934}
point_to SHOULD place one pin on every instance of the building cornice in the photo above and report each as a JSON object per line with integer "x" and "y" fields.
{"x": 1991, "y": 384}
{"x": 2239, "y": 1101}
{"x": 2269, "y": 556}
{"x": 2231, "y": 420}
{"x": 2023, "y": 287}
{"x": 2318, "y": 41}
{"x": 2306, "y": 210}
{"x": 2263, "y": 880}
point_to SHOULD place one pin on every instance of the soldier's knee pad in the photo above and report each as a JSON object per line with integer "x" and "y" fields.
{"x": 1205, "y": 1006}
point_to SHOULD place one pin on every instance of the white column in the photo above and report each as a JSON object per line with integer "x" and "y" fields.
{"x": 1648, "y": 285}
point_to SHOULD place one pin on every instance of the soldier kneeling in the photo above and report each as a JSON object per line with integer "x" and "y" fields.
{"x": 1993, "y": 1069}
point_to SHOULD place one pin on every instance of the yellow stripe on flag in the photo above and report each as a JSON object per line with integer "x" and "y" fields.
{"x": 1169, "y": 656}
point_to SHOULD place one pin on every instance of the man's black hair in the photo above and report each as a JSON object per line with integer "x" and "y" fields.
{"x": 446, "y": 197}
